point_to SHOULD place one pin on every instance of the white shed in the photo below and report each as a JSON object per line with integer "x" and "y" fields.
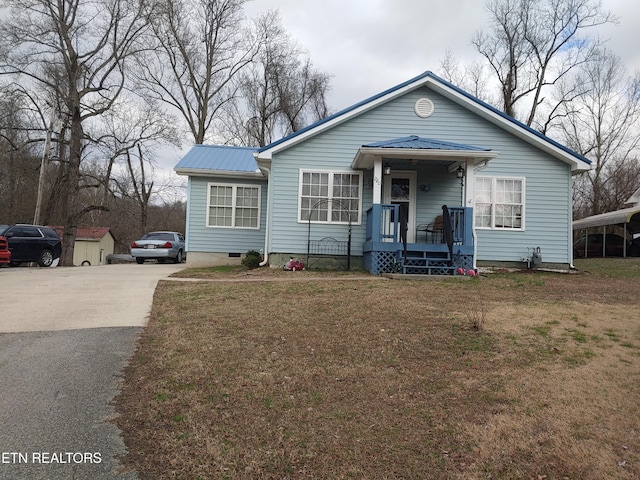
{"x": 93, "y": 244}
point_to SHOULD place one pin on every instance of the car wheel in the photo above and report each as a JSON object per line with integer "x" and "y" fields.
{"x": 178, "y": 258}
{"x": 46, "y": 258}
{"x": 139, "y": 260}
{"x": 86, "y": 263}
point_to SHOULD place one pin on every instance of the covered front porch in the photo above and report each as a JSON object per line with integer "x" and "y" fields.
{"x": 421, "y": 217}
{"x": 446, "y": 248}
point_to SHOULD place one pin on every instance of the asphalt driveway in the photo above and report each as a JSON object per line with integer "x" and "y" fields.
{"x": 65, "y": 335}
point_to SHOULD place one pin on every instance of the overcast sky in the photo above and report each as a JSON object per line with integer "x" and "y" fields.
{"x": 371, "y": 45}
{"x": 368, "y": 46}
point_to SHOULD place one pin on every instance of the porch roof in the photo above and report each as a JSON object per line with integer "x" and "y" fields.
{"x": 414, "y": 141}
{"x": 419, "y": 148}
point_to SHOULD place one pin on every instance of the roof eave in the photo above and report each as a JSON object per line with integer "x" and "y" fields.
{"x": 575, "y": 170}
{"x": 264, "y": 164}
{"x": 204, "y": 172}
{"x": 365, "y": 155}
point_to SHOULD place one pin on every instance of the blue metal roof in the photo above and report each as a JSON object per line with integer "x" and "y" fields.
{"x": 219, "y": 158}
{"x": 416, "y": 142}
{"x": 423, "y": 77}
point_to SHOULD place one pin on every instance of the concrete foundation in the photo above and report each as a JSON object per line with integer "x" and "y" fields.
{"x": 211, "y": 259}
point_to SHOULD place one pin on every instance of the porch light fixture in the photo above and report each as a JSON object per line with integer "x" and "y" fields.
{"x": 460, "y": 176}
{"x": 386, "y": 170}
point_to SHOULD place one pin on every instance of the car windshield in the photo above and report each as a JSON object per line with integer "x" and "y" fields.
{"x": 3, "y": 228}
{"x": 158, "y": 236}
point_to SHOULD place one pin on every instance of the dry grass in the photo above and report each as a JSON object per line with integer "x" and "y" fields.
{"x": 344, "y": 378}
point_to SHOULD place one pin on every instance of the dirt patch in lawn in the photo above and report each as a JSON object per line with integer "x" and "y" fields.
{"x": 506, "y": 376}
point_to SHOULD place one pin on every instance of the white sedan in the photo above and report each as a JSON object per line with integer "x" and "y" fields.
{"x": 161, "y": 246}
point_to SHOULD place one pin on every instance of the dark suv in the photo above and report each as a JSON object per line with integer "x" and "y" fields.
{"x": 32, "y": 243}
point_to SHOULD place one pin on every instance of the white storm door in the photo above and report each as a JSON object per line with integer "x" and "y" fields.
{"x": 400, "y": 187}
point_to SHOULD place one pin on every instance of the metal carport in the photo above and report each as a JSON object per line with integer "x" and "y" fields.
{"x": 627, "y": 218}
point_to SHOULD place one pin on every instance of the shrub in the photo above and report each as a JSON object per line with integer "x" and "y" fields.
{"x": 252, "y": 259}
{"x": 476, "y": 315}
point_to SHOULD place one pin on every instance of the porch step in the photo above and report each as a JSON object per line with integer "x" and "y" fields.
{"x": 438, "y": 264}
{"x": 422, "y": 255}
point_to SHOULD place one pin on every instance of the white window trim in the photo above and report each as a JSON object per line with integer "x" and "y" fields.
{"x": 233, "y": 204}
{"x": 331, "y": 173}
{"x": 493, "y": 203}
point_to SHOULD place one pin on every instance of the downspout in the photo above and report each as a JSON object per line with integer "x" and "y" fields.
{"x": 265, "y": 260}
{"x": 570, "y": 233}
{"x": 475, "y": 247}
{"x": 187, "y": 230}
{"x": 571, "y": 259}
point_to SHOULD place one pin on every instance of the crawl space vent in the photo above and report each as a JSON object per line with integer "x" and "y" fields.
{"x": 424, "y": 108}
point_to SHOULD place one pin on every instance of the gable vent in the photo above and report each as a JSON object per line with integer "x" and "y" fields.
{"x": 424, "y": 108}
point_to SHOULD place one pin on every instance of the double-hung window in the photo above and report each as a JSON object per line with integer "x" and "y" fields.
{"x": 233, "y": 206}
{"x": 499, "y": 203}
{"x": 330, "y": 197}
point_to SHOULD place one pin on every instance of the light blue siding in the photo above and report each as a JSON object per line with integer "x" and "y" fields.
{"x": 547, "y": 203}
{"x": 201, "y": 238}
{"x": 547, "y": 179}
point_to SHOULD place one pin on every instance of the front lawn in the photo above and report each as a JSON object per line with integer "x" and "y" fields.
{"x": 519, "y": 375}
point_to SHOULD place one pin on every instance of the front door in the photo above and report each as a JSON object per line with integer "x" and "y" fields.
{"x": 400, "y": 189}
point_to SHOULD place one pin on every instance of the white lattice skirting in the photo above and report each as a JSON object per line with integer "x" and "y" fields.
{"x": 378, "y": 263}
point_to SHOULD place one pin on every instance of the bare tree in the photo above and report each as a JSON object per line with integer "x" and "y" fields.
{"x": 197, "y": 48}
{"x": 133, "y": 124}
{"x": 472, "y": 78}
{"x": 532, "y": 44}
{"x": 77, "y": 51}
{"x": 603, "y": 123}
{"x": 18, "y": 161}
{"x": 142, "y": 188}
{"x": 121, "y": 153}
{"x": 622, "y": 179}
{"x": 302, "y": 92}
{"x": 280, "y": 92}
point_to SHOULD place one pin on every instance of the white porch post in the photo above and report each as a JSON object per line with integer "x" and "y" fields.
{"x": 470, "y": 184}
{"x": 469, "y": 192}
{"x": 377, "y": 179}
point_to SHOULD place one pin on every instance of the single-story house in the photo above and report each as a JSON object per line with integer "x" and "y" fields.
{"x": 92, "y": 246}
{"x": 420, "y": 178}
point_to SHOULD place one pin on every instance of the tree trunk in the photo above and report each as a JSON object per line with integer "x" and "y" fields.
{"x": 71, "y": 205}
